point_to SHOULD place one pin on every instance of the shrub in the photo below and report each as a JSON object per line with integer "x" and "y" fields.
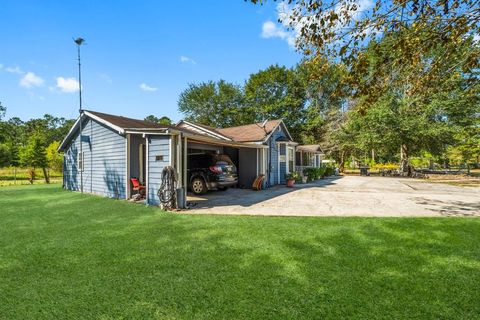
{"x": 314, "y": 173}
{"x": 329, "y": 171}
{"x": 292, "y": 176}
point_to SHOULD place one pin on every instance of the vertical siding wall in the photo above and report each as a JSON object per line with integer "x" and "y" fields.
{"x": 157, "y": 146}
{"x": 274, "y": 153}
{"x": 104, "y": 161}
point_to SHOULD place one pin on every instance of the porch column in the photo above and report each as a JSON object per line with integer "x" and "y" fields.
{"x": 127, "y": 165}
{"x": 178, "y": 159}
{"x": 287, "y": 164}
{"x": 147, "y": 160}
{"x": 184, "y": 170}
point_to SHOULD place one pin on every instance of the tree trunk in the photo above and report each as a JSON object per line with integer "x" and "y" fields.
{"x": 341, "y": 165}
{"x": 373, "y": 155}
{"x": 45, "y": 174}
{"x": 14, "y": 175}
{"x": 403, "y": 159}
{"x": 31, "y": 175}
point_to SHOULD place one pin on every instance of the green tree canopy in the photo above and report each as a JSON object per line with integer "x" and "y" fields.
{"x": 34, "y": 154}
{"x": 277, "y": 93}
{"x": 5, "y": 155}
{"x": 54, "y": 158}
{"x": 218, "y": 104}
{"x": 163, "y": 120}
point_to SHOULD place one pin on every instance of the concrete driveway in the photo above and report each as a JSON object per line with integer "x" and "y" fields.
{"x": 346, "y": 196}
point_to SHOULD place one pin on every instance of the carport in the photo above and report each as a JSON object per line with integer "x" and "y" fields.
{"x": 250, "y": 159}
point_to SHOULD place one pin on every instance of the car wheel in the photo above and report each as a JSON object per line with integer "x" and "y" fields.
{"x": 222, "y": 188}
{"x": 198, "y": 186}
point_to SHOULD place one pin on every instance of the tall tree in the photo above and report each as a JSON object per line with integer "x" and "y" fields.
{"x": 163, "y": 120}
{"x": 218, "y": 104}
{"x": 34, "y": 155}
{"x": 344, "y": 28}
{"x": 54, "y": 158}
{"x": 5, "y": 155}
{"x": 277, "y": 93}
{"x": 326, "y": 97}
{"x": 413, "y": 109}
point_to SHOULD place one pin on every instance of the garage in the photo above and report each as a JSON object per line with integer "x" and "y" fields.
{"x": 248, "y": 160}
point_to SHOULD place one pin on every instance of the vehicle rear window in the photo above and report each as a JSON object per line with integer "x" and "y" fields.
{"x": 222, "y": 159}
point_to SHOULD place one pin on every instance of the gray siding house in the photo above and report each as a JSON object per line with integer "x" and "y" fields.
{"x": 115, "y": 149}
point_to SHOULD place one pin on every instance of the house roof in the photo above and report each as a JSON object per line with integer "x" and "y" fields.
{"x": 117, "y": 123}
{"x": 313, "y": 148}
{"x": 251, "y": 132}
{"x": 242, "y": 134}
{"x": 202, "y": 129}
{"x": 127, "y": 123}
{"x": 256, "y": 132}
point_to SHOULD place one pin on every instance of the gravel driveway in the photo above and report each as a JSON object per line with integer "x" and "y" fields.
{"x": 346, "y": 196}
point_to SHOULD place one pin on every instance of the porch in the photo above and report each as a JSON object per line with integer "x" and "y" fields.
{"x": 308, "y": 156}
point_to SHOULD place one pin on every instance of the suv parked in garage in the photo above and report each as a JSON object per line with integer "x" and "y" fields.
{"x": 211, "y": 171}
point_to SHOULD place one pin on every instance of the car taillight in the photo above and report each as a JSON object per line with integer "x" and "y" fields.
{"x": 216, "y": 169}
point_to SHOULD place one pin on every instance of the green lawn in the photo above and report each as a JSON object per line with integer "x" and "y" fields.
{"x": 10, "y": 176}
{"x": 66, "y": 255}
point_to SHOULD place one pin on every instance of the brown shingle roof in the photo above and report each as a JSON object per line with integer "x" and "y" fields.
{"x": 314, "y": 148}
{"x": 124, "y": 122}
{"x": 250, "y": 132}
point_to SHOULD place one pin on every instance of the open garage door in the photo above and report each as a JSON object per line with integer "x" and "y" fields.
{"x": 249, "y": 161}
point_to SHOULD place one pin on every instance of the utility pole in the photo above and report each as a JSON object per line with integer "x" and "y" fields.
{"x": 79, "y": 42}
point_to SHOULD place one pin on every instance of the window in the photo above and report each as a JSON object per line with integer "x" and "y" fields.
{"x": 80, "y": 159}
{"x": 291, "y": 161}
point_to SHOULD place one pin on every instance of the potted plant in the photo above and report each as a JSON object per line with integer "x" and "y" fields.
{"x": 291, "y": 177}
{"x": 304, "y": 179}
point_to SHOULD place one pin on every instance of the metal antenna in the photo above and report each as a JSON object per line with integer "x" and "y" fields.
{"x": 79, "y": 42}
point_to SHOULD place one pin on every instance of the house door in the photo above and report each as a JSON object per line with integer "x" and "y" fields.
{"x": 142, "y": 163}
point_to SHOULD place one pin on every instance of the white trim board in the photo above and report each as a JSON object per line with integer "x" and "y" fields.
{"x": 208, "y": 132}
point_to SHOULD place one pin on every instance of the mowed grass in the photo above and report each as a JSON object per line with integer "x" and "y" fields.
{"x": 64, "y": 255}
{"x": 10, "y": 176}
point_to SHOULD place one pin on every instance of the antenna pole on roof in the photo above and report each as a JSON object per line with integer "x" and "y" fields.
{"x": 79, "y": 42}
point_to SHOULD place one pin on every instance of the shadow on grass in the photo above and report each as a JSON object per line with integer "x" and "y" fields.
{"x": 101, "y": 258}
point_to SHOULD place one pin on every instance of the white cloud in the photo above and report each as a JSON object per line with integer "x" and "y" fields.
{"x": 15, "y": 70}
{"x": 272, "y": 30}
{"x": 145, "y": 87}
{"x": 30, "y": 80}
{"x": 290, "y": 30}
{"x": 185, "y": 59}
{"x": 68, "y": 85}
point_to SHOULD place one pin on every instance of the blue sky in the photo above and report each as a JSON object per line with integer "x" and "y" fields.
{"x": 139, "y": 55}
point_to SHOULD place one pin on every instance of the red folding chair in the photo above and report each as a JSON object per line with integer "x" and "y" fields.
{"x": 137, "y": 186}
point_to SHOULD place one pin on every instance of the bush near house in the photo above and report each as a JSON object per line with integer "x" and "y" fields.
{"x": 314, "y": 173}
{"x": 329, "y": 171}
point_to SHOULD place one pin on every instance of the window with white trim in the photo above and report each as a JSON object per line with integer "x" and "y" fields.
{"x": 291, "y": 159}
{"x": 80, "y": 160}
